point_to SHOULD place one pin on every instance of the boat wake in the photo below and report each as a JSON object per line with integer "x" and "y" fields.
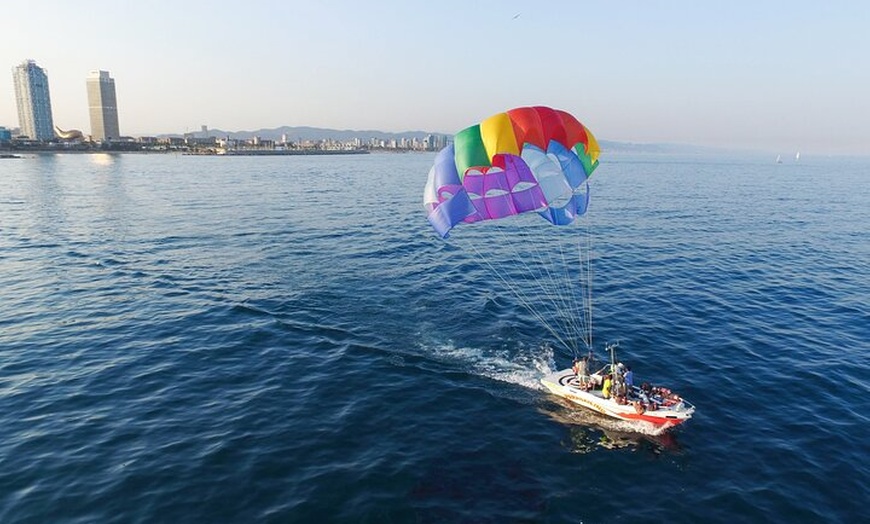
{"x": 525, "y": 366}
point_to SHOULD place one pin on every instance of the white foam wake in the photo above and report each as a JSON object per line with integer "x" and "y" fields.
{"x": 525, "y": 366}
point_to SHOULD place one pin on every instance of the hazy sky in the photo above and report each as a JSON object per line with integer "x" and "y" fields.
{"x": 774, "y": 75}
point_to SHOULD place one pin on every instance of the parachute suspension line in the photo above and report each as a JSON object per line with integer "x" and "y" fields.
{"x": 556, "y": 270}
{"x": 587, "y": 298}
{"x": 523, "y": 238}
{"x": 579, "y": 298}
{"x": 543, "y": 286}
{"x": 523, "y": 297}
{"x": 550, "y": 289}
{"x": 524, "y": 301}
{"x": 540, "y": 263}
{"x": 582, "y": 298}
{"x": 574, "y": 310}
{"x": 567, "y": 311}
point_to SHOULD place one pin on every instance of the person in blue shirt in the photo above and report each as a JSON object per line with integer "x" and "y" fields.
{"x": 629, "y": 378}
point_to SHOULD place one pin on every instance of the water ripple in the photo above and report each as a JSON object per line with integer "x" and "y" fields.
{"x": 283, "y": 339}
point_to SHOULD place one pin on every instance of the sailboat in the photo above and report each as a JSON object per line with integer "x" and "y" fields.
{"x": 778, "y": 159}
{"x": 501, "y": 177}
{"x": 797, "y": 156}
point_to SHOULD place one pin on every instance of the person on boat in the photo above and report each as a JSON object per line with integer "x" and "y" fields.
{"x": 644, "y": 397}
{"x": 619, "y": 381}
{"x": 580, "y": 367}
{"x": 629, "y": 378}
{"x": 608, "y": 385}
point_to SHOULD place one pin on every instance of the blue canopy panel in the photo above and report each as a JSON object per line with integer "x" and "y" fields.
{"x": 572, "y": 167}
{"x": 562, "y": 216}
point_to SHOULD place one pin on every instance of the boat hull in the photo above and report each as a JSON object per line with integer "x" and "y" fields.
{"x": 566, "y": 385}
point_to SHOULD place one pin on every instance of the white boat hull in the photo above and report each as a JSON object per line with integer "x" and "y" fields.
{"x": 566, "y": 385}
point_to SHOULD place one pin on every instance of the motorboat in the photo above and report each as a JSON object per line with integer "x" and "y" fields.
{"x": 653, "y": 404}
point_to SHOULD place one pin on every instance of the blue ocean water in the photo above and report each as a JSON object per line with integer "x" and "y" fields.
{"x": 283, "y": 339}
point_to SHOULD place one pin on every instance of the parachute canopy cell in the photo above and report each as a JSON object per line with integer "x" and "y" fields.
{"x": 529, "y": 159}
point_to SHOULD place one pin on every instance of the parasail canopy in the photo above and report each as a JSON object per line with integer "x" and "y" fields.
{"x": 526, "y": 160}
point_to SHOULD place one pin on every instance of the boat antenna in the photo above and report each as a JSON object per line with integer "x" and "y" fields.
{"x": 612, "y": 349}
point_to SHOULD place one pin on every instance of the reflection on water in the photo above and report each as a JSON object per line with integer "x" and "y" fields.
{"x": 102, "y": 159}
{"x": 590, "y": 431}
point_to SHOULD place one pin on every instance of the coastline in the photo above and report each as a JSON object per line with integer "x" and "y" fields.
{"x": 278, "y": 152}
{"x": 17, "y": 153}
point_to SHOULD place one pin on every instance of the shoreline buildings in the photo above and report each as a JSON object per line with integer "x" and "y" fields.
{"x": 37, "y": 132}
{"x": 33, "y": 100}
{"x": 103, "y": 106}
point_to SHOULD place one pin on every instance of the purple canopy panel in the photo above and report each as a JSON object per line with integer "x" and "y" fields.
{"x": 473, "y": 182}
{"x": 497, "y": 194}
{"x": 526, "y": 193}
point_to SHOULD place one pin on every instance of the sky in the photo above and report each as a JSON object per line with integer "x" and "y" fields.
{"x": 772, "y": 75}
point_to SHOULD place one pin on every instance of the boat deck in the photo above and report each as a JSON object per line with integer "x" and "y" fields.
{"x": 659, "y": 405}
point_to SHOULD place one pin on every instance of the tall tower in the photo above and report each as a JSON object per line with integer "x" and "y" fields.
{"x": 103, "y": 106}
{"x": 34, "y": 102}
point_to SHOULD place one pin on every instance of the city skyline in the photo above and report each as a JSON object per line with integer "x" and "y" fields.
{"x": 777, "y": 76}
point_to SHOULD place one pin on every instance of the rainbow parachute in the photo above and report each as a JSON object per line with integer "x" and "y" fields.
{"x": 529, "y": 159}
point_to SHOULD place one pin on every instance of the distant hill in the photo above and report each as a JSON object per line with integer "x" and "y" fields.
{"x": 654, "y": 148}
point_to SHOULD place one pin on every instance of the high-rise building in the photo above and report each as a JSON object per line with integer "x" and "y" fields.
{"x": 34, "y": 102}
{"x": 103, "y": 106}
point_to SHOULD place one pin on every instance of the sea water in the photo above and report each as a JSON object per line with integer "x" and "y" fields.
{"x": 285, "y": 339}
